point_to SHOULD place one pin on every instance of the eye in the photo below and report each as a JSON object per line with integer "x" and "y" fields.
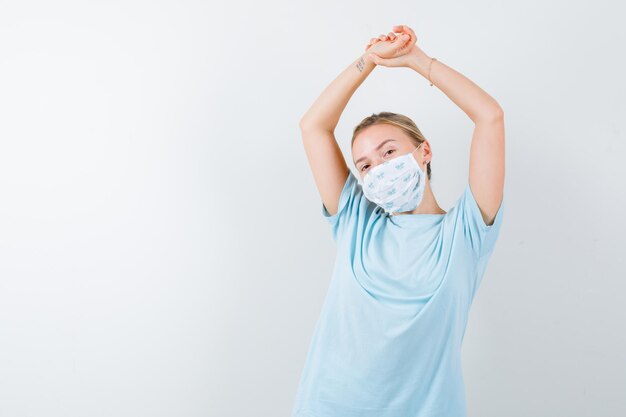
{"x": 386, "y": 153}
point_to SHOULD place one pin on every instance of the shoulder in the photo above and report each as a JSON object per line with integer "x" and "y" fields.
{"x": 468, "y": 217}
{"x": 353, "y": 209}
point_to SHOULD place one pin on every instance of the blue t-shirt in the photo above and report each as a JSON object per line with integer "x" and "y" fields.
{"x": 388, "y": 339}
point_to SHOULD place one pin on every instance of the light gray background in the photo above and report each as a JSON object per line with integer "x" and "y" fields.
{"x": 162, "y": 248}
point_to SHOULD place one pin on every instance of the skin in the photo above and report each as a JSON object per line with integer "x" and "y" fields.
{"x": 486, "y": 166}
{"x": 370, "y": 138}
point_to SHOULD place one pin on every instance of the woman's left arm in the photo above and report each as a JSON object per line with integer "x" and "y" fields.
{"x": 486, "y": 166}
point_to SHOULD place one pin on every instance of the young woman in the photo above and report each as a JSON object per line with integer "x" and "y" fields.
{"x": 388, "y": 339}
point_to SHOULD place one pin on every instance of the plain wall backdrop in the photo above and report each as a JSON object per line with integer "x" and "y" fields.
{"x": 162, "y": 247}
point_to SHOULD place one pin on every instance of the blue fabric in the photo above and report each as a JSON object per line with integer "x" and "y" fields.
{"x": 388, "y": 339}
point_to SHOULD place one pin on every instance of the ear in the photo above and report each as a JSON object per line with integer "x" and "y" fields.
{"x": 425, "y": 147}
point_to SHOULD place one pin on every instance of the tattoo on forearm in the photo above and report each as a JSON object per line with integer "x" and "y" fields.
{"x": 360, "y": 64}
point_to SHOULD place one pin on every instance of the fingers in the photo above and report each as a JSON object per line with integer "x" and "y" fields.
{"x": 378, "y": 39}
{"x": 402, "y": 38}
{"x": 403, "y": 29}
{"x": 391, "y": 36}
{"x": 407, "y": 30}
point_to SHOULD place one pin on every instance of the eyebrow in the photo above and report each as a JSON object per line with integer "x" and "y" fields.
{"x": 377, "y": 148}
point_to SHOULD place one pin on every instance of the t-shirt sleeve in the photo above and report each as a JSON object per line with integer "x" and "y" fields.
{"x": 351, "y": 202}
{"x": 481, "y": 237}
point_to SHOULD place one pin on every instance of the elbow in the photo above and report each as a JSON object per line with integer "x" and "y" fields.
{"x": 498, "y": 114}
{"x": 307, "y": 126}
{"x": 494, "y": 116}
{"x": 303, "y": 124}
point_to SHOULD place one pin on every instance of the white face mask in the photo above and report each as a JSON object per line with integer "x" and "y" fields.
{"x": 396, "y": 185}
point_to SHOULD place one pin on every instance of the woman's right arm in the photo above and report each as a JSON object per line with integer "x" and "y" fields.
{"x": 317, "y": 127}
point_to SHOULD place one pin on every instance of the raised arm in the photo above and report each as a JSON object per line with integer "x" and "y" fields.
{"x": 318, "y": 124}
{"x": 317, "y": 127}
{"x": 486, "y": 165}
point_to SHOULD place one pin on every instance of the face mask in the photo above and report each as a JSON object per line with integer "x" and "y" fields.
{"x": 396, "y": 185}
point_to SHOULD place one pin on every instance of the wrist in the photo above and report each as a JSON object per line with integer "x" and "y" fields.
{"x": 420, "y": 63}
{"x": 366, "y": 60}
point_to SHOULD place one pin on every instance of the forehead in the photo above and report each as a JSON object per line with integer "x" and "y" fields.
{"x": 369, "y": 138}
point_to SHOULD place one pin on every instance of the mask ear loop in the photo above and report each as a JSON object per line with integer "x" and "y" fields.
{"x": 418, "y": 146}
{"x": 425, "y": 163}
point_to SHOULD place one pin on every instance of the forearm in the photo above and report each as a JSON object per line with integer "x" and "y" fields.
{"x": 326, "y": 110}
{"x": 473, "y": 100}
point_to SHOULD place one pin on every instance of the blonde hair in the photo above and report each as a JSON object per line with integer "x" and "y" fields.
{"x": 403, "y": 122}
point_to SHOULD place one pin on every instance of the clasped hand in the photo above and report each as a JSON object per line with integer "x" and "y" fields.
{"x": 391, "y": 50}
